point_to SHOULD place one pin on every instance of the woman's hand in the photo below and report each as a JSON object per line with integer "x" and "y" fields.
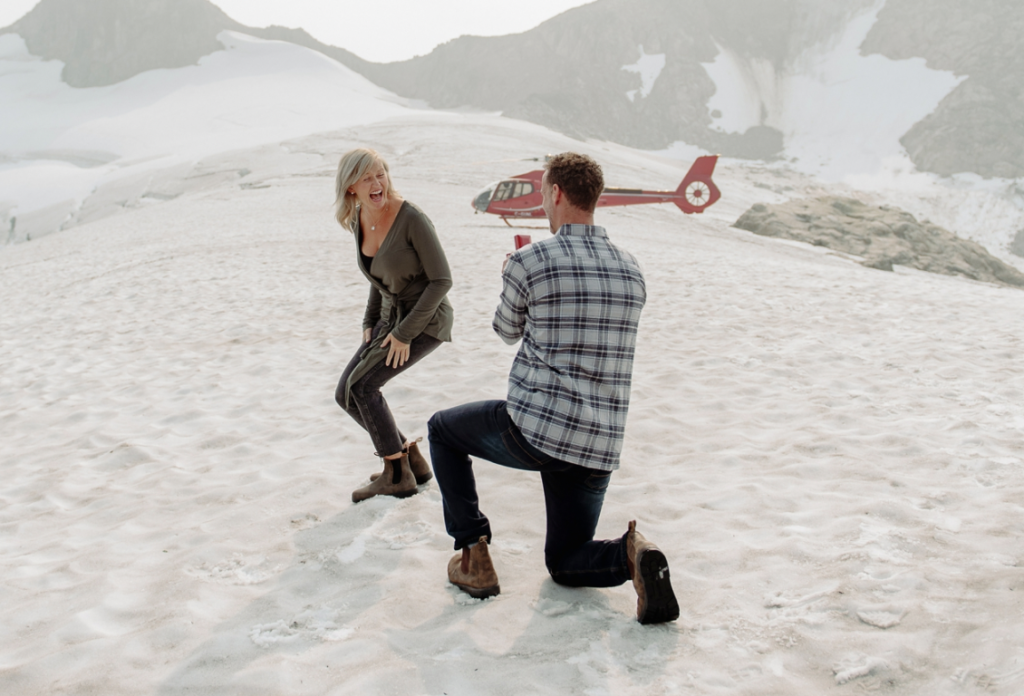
{"x": 367, "y": 335}
{"x": 396, "y": 350}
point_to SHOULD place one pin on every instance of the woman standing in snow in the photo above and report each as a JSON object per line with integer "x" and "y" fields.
{"x": 407, "y": 314}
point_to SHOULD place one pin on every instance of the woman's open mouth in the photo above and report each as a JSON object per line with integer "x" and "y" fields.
{"x": 377, "y": 196}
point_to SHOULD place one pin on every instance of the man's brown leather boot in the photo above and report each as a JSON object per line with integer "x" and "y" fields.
{"x": 396, "y": 480}
{"x": 472, "y": 572}
{"x": 417, "y": 462}
{"x": 655, "y": 601}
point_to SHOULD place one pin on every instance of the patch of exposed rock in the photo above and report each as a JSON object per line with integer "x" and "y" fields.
{"x": 978, "y": 126}
{"x": 882, "y": 235}
{"x": 1017, "y": 246}
{"x": 102, "y": 42}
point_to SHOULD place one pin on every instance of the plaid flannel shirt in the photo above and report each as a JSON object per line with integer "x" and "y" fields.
{"x": 575, "y": 301}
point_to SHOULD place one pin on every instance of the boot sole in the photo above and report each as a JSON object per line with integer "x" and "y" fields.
{"x": 419, "y": 481}
{"x": 660, "y": 605}
{"x": 479, "y": 592}
{"x": 397, "y": 494}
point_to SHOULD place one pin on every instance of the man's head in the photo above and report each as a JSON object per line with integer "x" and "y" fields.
{"x": 571, "y": 185}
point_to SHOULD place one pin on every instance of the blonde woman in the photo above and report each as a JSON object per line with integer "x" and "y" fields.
{"x": 407, "y": 314}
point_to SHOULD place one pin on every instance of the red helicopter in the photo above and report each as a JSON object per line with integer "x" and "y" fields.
{"x": 520, "y": 196}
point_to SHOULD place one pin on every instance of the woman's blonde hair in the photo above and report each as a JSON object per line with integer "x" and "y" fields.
{"x": 353, "y": 166}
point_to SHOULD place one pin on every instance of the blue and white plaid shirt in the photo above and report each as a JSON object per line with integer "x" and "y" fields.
{"x": 575, "y": 302}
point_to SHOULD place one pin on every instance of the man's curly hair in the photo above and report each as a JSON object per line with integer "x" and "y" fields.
{"x": 579, "y": 177}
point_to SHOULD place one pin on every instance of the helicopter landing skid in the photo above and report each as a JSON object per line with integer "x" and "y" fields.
{"x": 523, "y": 227}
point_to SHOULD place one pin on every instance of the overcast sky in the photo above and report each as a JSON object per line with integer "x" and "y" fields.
{"x": 377, "y": 30}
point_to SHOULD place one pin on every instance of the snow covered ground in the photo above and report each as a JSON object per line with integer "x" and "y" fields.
{"x": 830, "y": 456}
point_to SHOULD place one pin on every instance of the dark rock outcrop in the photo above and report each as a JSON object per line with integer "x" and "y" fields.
{"x": 883, "y": 235}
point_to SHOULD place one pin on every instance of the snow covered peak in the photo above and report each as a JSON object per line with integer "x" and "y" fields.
{"x": 59, "y": 144}
{"x": 102, "y": 42}
{"x": 252, "y": 91}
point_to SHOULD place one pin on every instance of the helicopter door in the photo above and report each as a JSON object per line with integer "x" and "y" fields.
{"x": 512, "y": 189}
{"x": 517, "y": 192}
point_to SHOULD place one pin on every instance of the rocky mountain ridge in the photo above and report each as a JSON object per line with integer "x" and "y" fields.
{"x": 581, "y": 72}
{"x": 103, "y": 42}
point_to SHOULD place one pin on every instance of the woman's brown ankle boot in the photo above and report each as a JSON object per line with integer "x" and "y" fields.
{"x": 418, "y": 463}
{"x": 396, "y": 480}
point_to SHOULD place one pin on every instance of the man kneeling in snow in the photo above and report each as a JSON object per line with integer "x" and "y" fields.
{"x": 575, "y": 301}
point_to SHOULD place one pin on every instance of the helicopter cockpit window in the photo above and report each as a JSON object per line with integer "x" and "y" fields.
{"x": 504, "y": 191}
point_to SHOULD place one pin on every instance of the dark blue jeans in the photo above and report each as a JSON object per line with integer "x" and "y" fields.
{"x": 573, "y": 495}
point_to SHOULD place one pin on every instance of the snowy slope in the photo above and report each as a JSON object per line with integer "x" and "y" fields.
{"x": 59, "y": 144}
{"x": 830, "y": 456}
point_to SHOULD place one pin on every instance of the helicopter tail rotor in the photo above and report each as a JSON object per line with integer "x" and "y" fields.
{"x": 698, "y": 191}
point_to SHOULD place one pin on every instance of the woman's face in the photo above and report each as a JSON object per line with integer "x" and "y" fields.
{"x": 373, "y": 188}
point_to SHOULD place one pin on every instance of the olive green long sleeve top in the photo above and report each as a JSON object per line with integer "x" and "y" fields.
{"x": 409, "y": 280}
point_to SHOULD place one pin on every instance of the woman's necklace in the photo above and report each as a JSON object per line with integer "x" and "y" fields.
{"x": 384, "y": 212}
